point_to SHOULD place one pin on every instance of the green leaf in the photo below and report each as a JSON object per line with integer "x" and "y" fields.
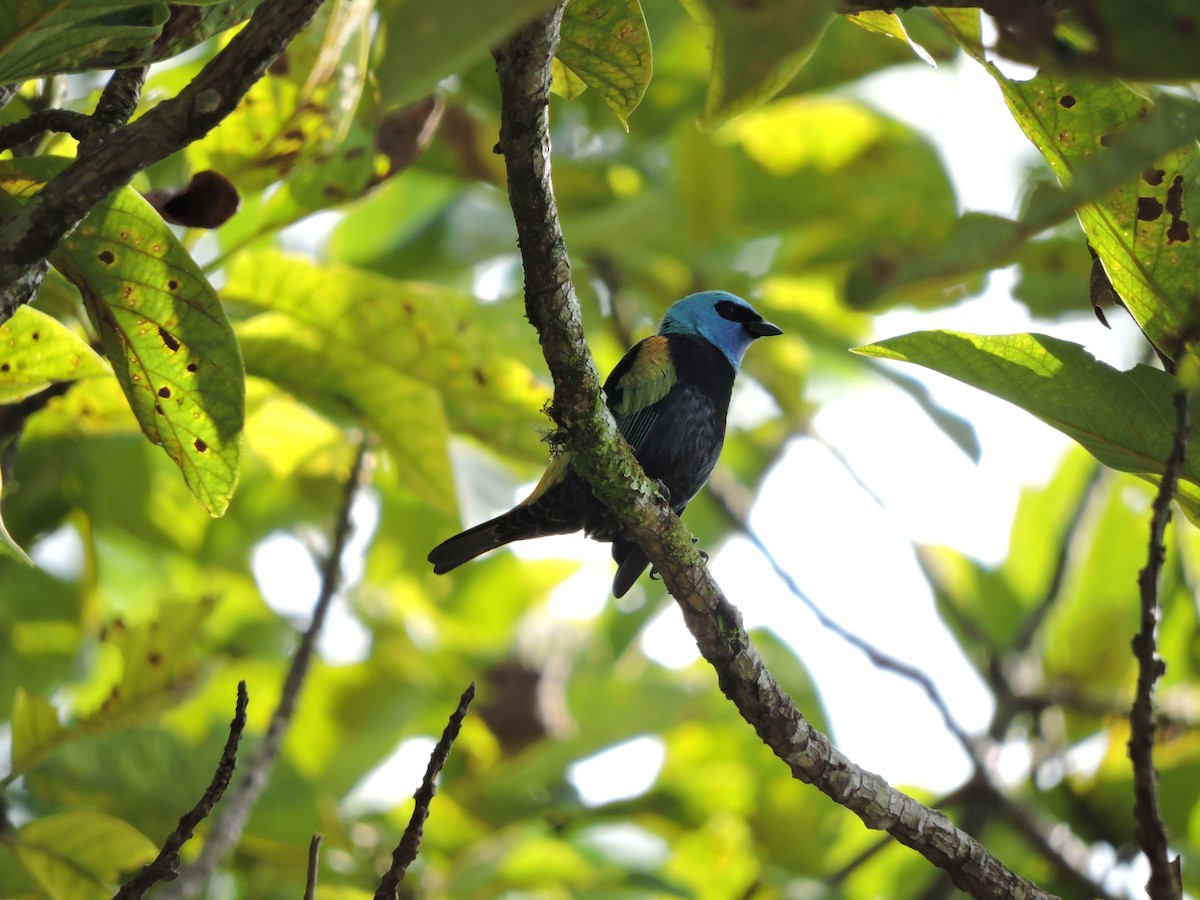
{"x": 49, "y": 38}
{"x": 65, "y": 36}
{"x": 163, "y": 329}
{"x": 421, "y": 44}
{"x": 78, "y": 855}
{"x": 8, "y": 546}
{"x": 412, "y": 359}
{"x": 756, "y": 49}
{"x": 1125, "y": 419}
{"x": 606, "y": 44}
{"x": 35, "y": 728}
{"x": 890, "y": 24}
{"x": 1140, "y": 230}
{"x": 1152, "y": 270}
{"x": 38, "y": 351}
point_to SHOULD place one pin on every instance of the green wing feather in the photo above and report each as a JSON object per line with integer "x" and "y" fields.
{"x": 643, "y": 378}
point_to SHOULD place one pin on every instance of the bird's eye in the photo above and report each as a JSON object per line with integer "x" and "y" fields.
{"x": 727, "y": 309}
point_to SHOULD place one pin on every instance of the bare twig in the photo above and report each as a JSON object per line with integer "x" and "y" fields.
{"x": 314, "y": 857}
{"x": 605, "y": 460}
{"x": 410, "y": 841}
{"x": 230, "y": 821}
{"x": 878, "y": 658}
{"x": 165, "y": 866}
{"x": 60, "y": 120}
{"x": 27, "y": 238}
{"x": 1165, "y": 880}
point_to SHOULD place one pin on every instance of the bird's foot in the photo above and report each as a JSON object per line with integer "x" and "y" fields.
{"x": 655, "y": 575}
{"x": 664, "y": 490}
{"x": 703, "y": 553}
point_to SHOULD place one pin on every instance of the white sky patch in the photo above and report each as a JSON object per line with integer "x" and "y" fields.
{"x": 391, "y": 782}
{"x": 619, "y": 773}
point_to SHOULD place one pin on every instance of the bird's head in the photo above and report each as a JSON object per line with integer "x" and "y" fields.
{"x": 723, "y": 319}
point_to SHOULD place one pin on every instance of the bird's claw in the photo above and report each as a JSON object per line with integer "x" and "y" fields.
{"x": 664, "y": 490}
{"x": 655, "y": 575}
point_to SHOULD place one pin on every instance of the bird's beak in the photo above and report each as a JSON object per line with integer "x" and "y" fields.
{"x": 762, "y": 329}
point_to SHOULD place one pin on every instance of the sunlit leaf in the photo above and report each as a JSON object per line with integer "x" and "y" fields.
{"x": 607, "y": 46}
{"x": 1125, "y": 419}
{"x": 38, "y": 351}
{"x": 77, "y": 855}
{"x": 163, "y": 328}
{"x": 890, "y": 24}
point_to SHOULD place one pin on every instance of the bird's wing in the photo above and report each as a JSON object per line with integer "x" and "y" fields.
{"x": 643, "y": 377}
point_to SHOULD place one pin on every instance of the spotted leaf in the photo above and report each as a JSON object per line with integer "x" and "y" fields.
{"x": 162, "y": 327}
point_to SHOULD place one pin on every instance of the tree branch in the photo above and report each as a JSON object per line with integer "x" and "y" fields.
{"x": 314, "y": 857}
{"x": 165, "y": 866}
{"x": 230, "y": 821}
{"x": 50, "y": 215}
{"x": 410, "y": 841}
{"x": 605, "y": 460}
{"x": 1165, "y": 879}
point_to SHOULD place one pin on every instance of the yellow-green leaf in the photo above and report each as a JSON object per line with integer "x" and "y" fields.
{"x": 36, "y": 350}
{"x": 890, "y": 24}
{"x": 163, "y": 329}
{"x": 35, "y": 727}
{"x": 78, "y": 855}
{"x": 606, "y": 44}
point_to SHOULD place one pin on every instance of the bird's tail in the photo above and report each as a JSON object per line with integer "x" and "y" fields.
{"x": 453, "y": 552}
{"x": 631, "y": 562}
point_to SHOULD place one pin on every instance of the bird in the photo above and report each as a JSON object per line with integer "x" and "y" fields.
{"x": 670, "y": 397}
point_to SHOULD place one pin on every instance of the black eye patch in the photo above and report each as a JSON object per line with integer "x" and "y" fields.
{"x": 727, "y": 309}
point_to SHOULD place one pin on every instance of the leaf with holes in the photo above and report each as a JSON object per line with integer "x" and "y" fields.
{"x": 162, "y": 326}
{"x": 1125, "y": 419}
{"x": 607, "y": 46}
{"x": 37, "y": 351}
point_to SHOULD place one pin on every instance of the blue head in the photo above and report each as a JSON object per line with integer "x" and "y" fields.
{"x": 724, "y": 320}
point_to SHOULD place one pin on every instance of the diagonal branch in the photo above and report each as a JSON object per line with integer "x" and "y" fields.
{"x": 1165, "y": 880}
{"x": 166, "y": 865}
{"x": 605, "y": 460}
{"x": 406, "y": 851}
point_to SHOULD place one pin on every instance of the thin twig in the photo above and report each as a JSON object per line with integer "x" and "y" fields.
{"x": 231, "y": 819}
{"x": 616, "y": 477}
{"x": 314, "y": 856}
{"x": 166, "y": 865}
{"x": 410, "y": 841}
{"x": 65, "y": 121}
{"x": 1165, "y": 880}
{"x": 878, "y": 658}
